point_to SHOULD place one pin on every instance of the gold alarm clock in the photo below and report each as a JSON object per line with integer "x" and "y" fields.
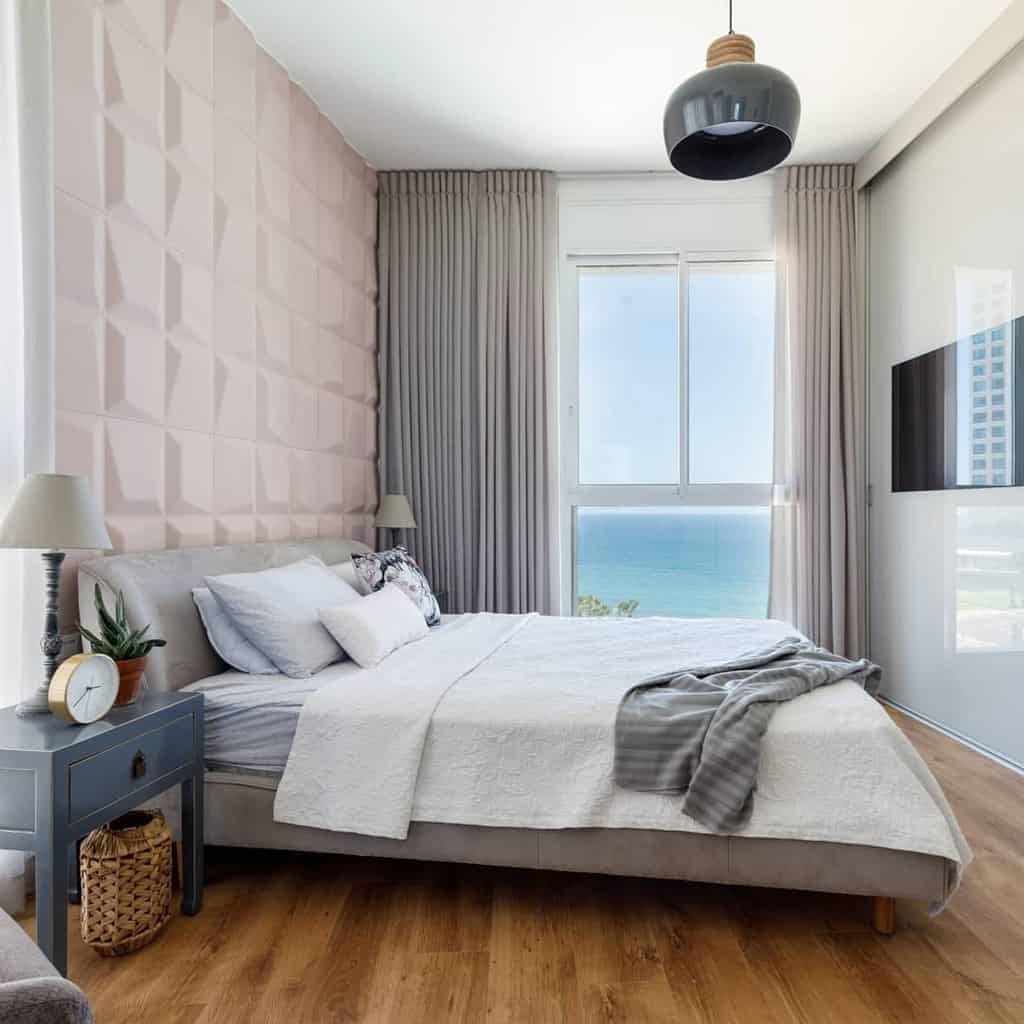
{"x": 84, "y": 688}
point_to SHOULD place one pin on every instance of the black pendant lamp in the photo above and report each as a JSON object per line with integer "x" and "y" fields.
{"x": 735, "y": 119}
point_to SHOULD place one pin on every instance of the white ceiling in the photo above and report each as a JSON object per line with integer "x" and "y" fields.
{"x": 573, "y": 86}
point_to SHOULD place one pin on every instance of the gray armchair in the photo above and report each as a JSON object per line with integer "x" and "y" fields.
{"x": 31, "y": 989}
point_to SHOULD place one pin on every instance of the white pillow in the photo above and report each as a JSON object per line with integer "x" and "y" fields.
{"x": 276, "y": 611}
{"x": 227, "y": 639}
{"x": 371, "y": 628}
{"x": 347, "y": 571}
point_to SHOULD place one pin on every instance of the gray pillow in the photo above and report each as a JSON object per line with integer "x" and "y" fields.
{"x": 227, "y": 639}
{"x": 277, "y": 612}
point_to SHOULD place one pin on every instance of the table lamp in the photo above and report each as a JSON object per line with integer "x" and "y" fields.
{"x": 394, "y": 514}
{"x": 52, "y": 512}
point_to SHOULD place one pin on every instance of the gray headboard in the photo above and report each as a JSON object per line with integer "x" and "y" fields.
{"x": 158, "y": 586}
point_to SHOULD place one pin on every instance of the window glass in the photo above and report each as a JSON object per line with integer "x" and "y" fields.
{"x": 691, "y": 562}
{"x": 731, "y": 325}
{"x": 629, "y": 375}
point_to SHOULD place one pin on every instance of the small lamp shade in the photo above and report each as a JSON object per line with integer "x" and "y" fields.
{"x": 394, "y": 513}
{"x": 54, "y": 511}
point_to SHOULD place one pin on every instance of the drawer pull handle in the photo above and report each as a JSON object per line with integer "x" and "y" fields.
{"x": 138, "y": 765}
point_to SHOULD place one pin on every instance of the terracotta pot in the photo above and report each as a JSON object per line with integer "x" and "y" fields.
{"x": 131, "y": 679}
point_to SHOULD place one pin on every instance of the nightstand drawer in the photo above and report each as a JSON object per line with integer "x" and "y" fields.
{"x": 108, "y": 776}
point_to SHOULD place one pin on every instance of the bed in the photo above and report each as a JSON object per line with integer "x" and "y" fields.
{"x": 514, "y": 764}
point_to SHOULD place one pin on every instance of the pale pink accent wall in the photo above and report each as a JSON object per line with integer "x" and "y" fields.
{"x": 216, "y": 370}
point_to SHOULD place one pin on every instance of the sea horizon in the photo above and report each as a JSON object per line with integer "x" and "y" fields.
{"x": 693, "y": 562}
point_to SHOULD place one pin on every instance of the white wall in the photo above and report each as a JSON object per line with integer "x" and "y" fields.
{"x": 643, "y": 215}
{"x": 659, "y": 213}
{"x": 946, "y": 240}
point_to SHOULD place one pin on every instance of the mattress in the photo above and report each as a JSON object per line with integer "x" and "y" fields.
{"x": 250, "y": 720}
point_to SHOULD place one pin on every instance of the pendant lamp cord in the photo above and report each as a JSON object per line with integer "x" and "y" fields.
{"x": 730, "y": 17}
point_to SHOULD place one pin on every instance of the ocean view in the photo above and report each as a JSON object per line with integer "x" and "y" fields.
{"x": 687, "y": 562}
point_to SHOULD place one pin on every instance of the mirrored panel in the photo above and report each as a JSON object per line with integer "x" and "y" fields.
{"x": 955, "y": 419}
{"x": 989, "y": 579}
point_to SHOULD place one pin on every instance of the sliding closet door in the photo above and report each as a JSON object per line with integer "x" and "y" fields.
{"x": 947, "y": 566}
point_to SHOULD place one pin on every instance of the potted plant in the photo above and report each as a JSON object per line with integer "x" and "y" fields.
{"x": 128, "y": 647}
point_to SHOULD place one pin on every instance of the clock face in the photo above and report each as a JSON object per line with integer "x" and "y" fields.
{"x": 91, "y": 688}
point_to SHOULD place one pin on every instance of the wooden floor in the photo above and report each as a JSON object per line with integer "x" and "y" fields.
{"x": 311, "y": 938}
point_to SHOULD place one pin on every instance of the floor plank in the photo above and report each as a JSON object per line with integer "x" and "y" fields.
{"x": 306, "y": 938}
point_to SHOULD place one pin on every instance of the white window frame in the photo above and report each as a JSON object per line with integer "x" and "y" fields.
{"x": 573, "y": 493}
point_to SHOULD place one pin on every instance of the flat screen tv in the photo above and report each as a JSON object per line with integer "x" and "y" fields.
{"x": 958, "y": 414}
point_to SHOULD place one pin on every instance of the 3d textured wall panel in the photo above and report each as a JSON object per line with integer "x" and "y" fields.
{"x": 216, "y": 374}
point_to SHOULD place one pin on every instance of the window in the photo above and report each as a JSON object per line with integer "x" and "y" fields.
{"x": 981, "y": 385}
{"x": 998, "y": 415}
{"x": 628, "y": 334}
{"x": 998, "y": 447}
{"x": 979, "y": 370}
{"x": 979, "y": 339}
{"x": 980, "y": 417}
{"x": 694, "y": 562}
{"x": 998, "y": 333}
{"x": 998, "y": 351}
{"x": 731, "y": 329}
{"x": 979, "y": 449}
{"x": 979, "y": 353}
{"x": 998, "y": 367}
{"x": 999, "y": 431}
{"x": 979, "y": 432}
{"x": 978, "y": 464}
{"x": 668, "y": 378}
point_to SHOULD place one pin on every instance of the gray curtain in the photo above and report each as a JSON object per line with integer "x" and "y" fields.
{"x": 819, "y": 503}
{"x": 466, "y": 264}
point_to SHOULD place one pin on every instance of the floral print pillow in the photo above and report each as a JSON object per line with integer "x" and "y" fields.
{"x": 399, "y": 567}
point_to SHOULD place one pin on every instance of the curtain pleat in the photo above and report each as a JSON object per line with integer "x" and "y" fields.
{"x": 819, "y": 504}
{"x": 27, "y": 353}
{"x": 465, "y": 328}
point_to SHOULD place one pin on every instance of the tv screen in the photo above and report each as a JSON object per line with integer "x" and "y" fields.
{"x": 958, "y": 414}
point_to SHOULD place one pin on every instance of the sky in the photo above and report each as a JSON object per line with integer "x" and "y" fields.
{"x": 630, "y": 375}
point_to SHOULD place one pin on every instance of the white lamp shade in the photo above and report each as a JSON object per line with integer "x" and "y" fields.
{"x": 394, "y": 513}
{"x": 54, "y": 510}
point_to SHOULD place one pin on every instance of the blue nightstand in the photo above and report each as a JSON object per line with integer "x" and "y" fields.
{"x": 58, "y": 782}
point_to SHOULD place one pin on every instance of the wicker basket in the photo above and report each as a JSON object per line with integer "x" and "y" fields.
{"x": 126, "y": 882}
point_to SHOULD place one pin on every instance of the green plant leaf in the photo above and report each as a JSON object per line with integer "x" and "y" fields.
{"x": 107, "y": 625}
{"x": 117, "y": 639}
{"x": 98, "y": 646}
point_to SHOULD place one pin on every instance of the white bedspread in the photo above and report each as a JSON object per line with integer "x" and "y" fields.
{"x": 359, "y": 741}
{"x": 509, "y": 721}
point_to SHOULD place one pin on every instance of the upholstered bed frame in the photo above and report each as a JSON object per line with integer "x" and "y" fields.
{"x": 239, "y": 807}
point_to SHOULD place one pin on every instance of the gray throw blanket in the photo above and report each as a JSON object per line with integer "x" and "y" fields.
{"x": 698, "y": 731}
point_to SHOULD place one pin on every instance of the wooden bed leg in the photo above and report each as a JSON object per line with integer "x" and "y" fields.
{"x": 884, "y": 917}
